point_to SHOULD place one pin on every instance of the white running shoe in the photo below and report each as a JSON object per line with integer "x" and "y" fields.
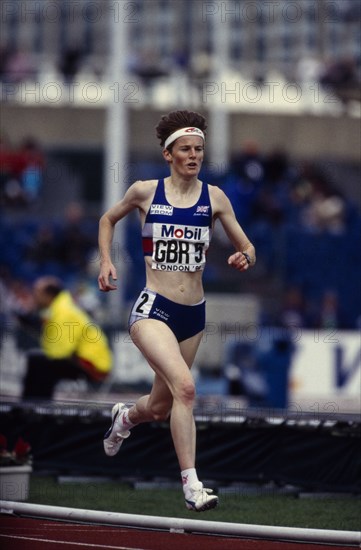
{"x": 116, "y": 434}
{"x": 201, "y": 499}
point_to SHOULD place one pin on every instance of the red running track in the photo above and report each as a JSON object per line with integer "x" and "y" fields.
{"x": 17, "y": 533}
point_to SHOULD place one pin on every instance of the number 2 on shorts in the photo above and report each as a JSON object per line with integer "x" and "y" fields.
{"x": 143, "y": 300}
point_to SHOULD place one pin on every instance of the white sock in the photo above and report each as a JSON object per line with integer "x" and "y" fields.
{"x": 189, "y": 477}
{"x": 124, "y": 421}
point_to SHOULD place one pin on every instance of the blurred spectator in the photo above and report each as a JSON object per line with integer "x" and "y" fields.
{"x": 242, "y": 372}
{"x": 72, "y": 346}
{"x": 249, "y": 165}
{"x": 16, "y": 306}
{"x": 329, "y": 315}
{"x": 341, "y": 77}
{"x": 12, "y": 194}
{"x": 243, "y": 186}
{"x": 260, "y": 371}
{"x": 327, "y": 214}
{"x": 242, "y": 193}
{"x": 308, "y": 70}
{"x": 31, "y": 163}
{"x": 4, "y": 57}
{"x": 44, "y": 248}
{"x": 75, "y": 242}
{"x": 181, "y": 58}
{"x": 10, "y": 188}
{"x": 277, "y": 167}
{"x": 15, "y": 296}
{"x": 318, "y": 207}
{"x": 70, "y": 64}
{"x": 21, "y": 296}
{"x": 148, "y": 67}
{"x": 63, "y": 249}
{"x": 21, "y": 172}
{"x": 348, "y": 10}
{"x": 272, "y": 201}
{"x": 6, "y": 161}
{"x": 200, "y": 68}
{"x": 293, "y": 312}
{"x": 18, "y": 67}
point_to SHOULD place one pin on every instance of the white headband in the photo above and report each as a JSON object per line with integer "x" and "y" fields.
{"x": 183, "y": 132}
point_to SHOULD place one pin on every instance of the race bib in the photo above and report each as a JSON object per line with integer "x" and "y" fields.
{"x": 179, "y": 247}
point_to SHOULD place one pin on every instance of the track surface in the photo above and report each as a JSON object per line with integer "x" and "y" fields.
{"x": 18, "y": 533}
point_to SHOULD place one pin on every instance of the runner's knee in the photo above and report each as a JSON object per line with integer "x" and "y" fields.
{"x": 186, "y": 392}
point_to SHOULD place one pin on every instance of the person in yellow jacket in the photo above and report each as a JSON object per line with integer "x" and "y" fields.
{"x": 72, "y": 345}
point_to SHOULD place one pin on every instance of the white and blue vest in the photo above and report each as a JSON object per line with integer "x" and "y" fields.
{"x": 177, "y": 238}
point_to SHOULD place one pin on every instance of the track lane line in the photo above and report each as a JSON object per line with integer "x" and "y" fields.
{"x": 87, "y": 544}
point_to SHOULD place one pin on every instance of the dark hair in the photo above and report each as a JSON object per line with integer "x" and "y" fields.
{"x": 49, "y": 284}
{"x": 53, "y": 289}
{"x": 175, "y": 121}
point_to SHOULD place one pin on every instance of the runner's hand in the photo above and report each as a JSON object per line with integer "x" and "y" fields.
{"x": 107, "y": 272}
{"x": 238, "y": 261}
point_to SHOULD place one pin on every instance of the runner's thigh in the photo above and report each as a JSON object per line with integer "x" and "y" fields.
{"x": 160, "y": 347}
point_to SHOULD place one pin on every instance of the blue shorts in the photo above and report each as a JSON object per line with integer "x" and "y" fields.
{"x": 184, "y": 321}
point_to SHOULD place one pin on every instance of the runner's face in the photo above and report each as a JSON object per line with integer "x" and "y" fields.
{"x": 187, "y": 155}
